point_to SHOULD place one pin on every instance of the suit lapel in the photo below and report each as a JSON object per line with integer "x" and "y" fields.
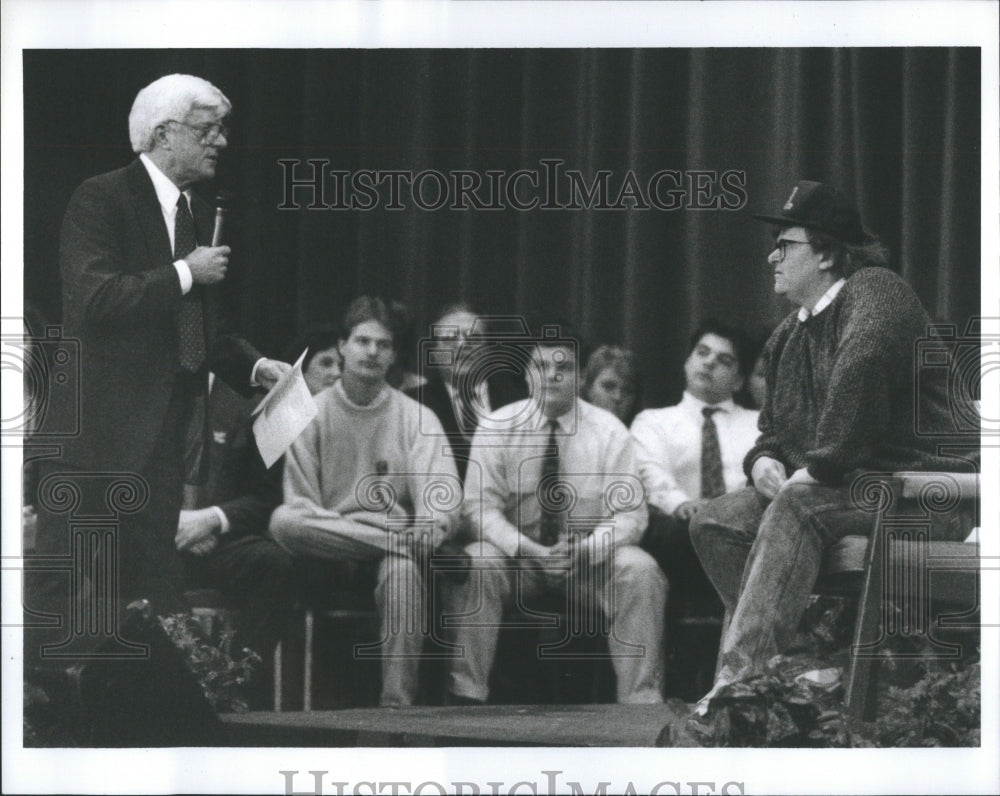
{"x": 149, "y": 214}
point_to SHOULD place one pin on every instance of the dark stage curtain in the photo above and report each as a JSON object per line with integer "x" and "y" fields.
{"x": 896, "y": 128}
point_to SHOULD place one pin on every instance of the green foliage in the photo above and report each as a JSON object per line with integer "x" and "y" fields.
{"x": 223, "y": 678}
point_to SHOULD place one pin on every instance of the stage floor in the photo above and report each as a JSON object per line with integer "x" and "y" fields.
{"x": 489, "y": 725}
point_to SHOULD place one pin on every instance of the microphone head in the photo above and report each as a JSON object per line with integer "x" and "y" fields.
{"x": 224, "y": 200}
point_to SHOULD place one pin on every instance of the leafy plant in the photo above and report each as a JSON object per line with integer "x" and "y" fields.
{"x": 223, "y": 678}
{"x": 922, "y": 701}
{"x": 940, "y": 709}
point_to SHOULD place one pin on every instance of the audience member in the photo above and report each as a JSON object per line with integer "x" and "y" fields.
{"x": 364, "y": 482}
{"x": 402, "y": 374}
{"x": 613, "y": 381}
{"x": 223, "y": 538}
{"x": 321, "y": 365}
{"x": 691, "y": 452}
{"x": 463, "y": 382}
{"x": 548, "y": 496}
{"x": 841, "y": 400}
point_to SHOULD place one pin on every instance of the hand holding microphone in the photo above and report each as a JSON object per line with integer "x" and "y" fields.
{"x": 208, "y": 263}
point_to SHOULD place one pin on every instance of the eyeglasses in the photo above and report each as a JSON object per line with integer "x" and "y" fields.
{"x": 781, "y": 246}
{"x": 208, "y": 134}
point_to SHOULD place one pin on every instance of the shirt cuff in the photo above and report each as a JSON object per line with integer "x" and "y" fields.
{"x": 184, "y": 275}
{"x": 253, "y": 373}
{"x": 223, "y": 520}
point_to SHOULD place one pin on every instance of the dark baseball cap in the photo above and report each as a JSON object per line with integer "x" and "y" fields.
{"x": 816, "y": 205}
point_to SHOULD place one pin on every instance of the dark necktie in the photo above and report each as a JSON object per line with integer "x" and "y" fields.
{"x": 712, "y": 482}
{"x": 190, "y": 323}
{"x": 551, "y": 522}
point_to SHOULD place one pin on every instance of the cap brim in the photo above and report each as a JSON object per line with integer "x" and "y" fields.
{"x": 784, "y": 221}
{"x": 781, "y": 220}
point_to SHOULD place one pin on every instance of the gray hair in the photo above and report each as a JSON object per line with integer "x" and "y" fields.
{"x": 170, "y": 97}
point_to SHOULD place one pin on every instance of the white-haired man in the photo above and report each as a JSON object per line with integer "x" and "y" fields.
{"x": 139, "y": 284}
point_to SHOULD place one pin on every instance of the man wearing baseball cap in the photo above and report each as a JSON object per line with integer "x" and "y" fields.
{"x": 841, "y": 400}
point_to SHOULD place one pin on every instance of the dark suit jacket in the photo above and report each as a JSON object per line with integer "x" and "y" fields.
{"x": 503, "y": 388}
{"x": 238, "y": 483}
{"x": 121, "y": 296}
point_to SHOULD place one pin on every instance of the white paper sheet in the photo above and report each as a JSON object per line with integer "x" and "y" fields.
{"x": 285, "y": 411}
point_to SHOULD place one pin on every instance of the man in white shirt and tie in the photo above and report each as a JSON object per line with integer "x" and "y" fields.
{"x": 554, "y": 499}
{"x": 692, "y": 452}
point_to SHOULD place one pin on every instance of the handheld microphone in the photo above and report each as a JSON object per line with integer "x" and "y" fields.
{"x": 220, "y": 217}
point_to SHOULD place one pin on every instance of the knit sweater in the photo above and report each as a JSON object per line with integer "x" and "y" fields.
{"x": 843, "y": 386}
{"x": 386, "y": 460}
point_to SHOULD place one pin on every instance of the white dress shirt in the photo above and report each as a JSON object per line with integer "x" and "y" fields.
{"x": 167, "y": 194}
{"x": 597, "y": 460}
{"x": 668, "y": 446}
{"x": 824, "y": 301}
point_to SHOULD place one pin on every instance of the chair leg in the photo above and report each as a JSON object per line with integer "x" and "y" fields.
{"x": 858, "y": 697}
{"x": 308, "y": 664}
{"x": 277, "y": 678}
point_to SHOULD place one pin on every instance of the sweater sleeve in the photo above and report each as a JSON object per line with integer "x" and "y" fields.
{"x": 873, "y": 345}
{"x": 767, "y": 441}
{"x": 303, "y": 493}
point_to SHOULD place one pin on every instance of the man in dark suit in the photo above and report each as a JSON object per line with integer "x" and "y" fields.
{"x": 139, "y": 284}
{"x": 223, "y": 537}
{"x": 461, "y": 385}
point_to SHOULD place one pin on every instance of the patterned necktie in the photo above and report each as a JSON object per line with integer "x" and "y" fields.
{"x": 712, "y": 482}
{"x": 550, "y": 526}
{"x": 190, "y": 323}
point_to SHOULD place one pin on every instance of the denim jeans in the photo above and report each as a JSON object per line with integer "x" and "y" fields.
{"x": 763, "y": 557}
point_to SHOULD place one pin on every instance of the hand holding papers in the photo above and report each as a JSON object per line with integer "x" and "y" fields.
{"x": 285, "y": 411}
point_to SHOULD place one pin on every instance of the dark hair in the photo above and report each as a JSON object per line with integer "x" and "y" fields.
{"x": 738, "y": 338}
{"x": 848, "y": 258}
{"x": 624, "y": 362}
{"x": 316, "y": 338}
{"x": 371, "y": 308}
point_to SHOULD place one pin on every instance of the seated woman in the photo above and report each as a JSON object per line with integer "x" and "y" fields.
{"x": 612, "y": 381}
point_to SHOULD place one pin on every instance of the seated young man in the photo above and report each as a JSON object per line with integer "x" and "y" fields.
{"x": 365, "y": 482}
{"x": 692, "y": 452}
{"x": 553, "y": 496}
